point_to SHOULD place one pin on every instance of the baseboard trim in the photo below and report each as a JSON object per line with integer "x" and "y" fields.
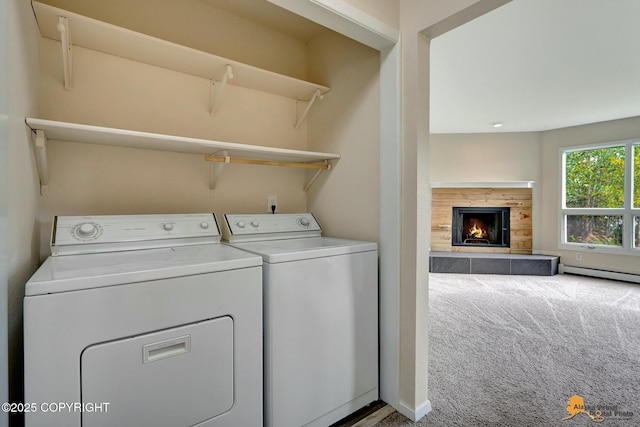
{"x": 603, "y": 274}
{"x": 548, "y": 253}
{"x": 415, "y": 414}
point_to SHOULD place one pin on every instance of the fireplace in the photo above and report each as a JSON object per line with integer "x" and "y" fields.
{"x": 481, "y": 227}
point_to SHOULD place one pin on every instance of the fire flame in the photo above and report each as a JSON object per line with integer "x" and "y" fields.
{"x": 476, "y": 232}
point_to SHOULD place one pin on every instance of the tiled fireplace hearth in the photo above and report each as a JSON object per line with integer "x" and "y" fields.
{"x": 492, "y": 263}
{"x": 484, "y": 228}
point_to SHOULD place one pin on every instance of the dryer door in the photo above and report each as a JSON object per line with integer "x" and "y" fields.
{"x": 177, "y": 377}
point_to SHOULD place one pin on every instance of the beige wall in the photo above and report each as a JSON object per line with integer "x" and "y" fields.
{"x": 485, "y": 157}
{"x": 552, "y": 141}
{"x": 346, "y": 200}
{"x": 115, "y": 92}
{"x": 23, "y": 185}
{"x": 491, "y": 157}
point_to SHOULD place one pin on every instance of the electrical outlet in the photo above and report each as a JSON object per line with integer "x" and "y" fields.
{"x": 272, "y": 201}
{"x": 578, "y": 256}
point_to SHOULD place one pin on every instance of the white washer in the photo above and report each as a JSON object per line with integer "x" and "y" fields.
{"x": 143, "y": 320}
{"x": 320, "y": 318}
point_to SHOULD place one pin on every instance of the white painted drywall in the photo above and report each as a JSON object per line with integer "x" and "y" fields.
{"x": 346, "y": 200}
{"x": 4, "y": 178}
{"x": 22, "y": 195}
{"x": 387, "y": 11}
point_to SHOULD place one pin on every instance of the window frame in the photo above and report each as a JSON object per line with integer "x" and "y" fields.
{"x": 628, "y": 211}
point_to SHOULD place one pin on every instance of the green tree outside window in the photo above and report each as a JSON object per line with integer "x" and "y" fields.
{"x": 595, "y": 178}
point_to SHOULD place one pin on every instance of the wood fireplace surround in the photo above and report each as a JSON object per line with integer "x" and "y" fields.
{"x": 515, "y": 195}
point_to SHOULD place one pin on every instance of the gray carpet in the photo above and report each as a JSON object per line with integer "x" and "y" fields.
{"x": 512, "y": 350}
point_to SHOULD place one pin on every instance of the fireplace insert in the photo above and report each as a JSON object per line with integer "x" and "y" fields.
{"x": 480, "y": 227}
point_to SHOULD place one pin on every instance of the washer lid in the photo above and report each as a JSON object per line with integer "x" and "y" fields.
{"x": 76, "y": 272}
{"x": 275, "y": 251}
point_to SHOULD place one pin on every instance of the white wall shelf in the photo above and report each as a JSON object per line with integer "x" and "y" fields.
{"x": 78, "y": 30}
{"x": 47, "y": 130}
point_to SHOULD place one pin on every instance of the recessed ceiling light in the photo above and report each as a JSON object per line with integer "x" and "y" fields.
{"x": 497, "y": 125}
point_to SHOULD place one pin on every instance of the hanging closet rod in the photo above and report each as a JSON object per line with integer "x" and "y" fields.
{"x": 226, "y": 159}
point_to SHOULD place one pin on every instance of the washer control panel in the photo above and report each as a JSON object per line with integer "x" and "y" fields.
{"x": 109, "y": 233}
{"x": 254, "y": 227}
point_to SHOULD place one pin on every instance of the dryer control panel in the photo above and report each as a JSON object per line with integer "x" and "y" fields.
{"x": 256, "y": 227}
{"x": 112, "y": 233}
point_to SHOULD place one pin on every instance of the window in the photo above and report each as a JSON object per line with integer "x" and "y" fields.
{"x": 601, "y": 197}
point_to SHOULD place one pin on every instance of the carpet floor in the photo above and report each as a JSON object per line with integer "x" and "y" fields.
{"x": 514, "y": 350}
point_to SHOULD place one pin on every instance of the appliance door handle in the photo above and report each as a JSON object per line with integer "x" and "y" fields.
{"x": 166, "y": 348}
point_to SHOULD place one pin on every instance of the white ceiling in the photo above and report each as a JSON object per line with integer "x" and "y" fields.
{"x": 536, "y": 65}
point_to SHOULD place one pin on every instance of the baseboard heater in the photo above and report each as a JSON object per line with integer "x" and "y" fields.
{"x": 604, "y": 274}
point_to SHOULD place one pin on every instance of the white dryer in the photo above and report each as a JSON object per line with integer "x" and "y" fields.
{"x": 143, "y": 320}
{"x": 320, "y": 318}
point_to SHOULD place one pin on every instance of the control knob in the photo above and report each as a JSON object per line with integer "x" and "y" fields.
{"x": 167, "y": 226}
{"x": 87, "y": 229}
{"x": 204, "y": 225}
{"x": 240, "y": 224}
{"x": 304, "y": 222}
{"x": 255, "y": 224}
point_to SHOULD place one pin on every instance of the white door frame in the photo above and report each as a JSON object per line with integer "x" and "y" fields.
{"x": 358, "y": 25}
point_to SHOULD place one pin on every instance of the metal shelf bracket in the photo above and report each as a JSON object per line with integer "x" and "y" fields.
{"x": 65, "y": 40}
{"x": 317, "y": 174}
{"x": 300, "y": 117}
{"x": 40, "y": 149}
{"x": 217, "y": 88}
{"x": 215, "y": 169}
